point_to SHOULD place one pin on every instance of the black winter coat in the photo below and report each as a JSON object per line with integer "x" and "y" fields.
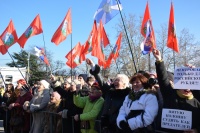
{"x": 172, "y": 101}
{"x": 114, "y": 99}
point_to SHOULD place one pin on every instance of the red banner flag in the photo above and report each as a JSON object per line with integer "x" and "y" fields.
{"x": 147, "y": 32}
{"x": 97, "y": 49}
{"x": 115, "y": 52}
{"x": 8, "y": 37}
{"x": 74, "y": 56}
{"x": 91, "y": 40}
{"x": 75, "y": 51}
{"x": 172, "y": 39}
{"x": 35, "y": 28}
{"x": 63, "y": 30}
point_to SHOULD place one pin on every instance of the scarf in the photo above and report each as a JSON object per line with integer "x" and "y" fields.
{"x": 188, "y": 97}
{"x": 94, "y": 98}
{"x": 136, "y": 95}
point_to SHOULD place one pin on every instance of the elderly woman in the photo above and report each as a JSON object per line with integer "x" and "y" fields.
{"x": 139, "y": 108}
{"x": 67, "y": 109}
{"x": 38, "y": 103}
{"x": 114, "y": 96}
{"x": 52, "y": 107}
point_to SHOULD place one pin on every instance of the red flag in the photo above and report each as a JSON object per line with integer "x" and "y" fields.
{"x": 105, "y": 38}
{"x": 172, "y": 40}
{"x": 91, "y": 39}
{"x": 72, "y": 63}
{"x": 115, "y": 52}
{"x": 149, "y": 36}
{"x": 74, "y": 58}
{"x": 35, "y": 28}
{"x": 74, "y": 51}
{"x": 63, "y": 30}
{"x": 81, "y": 54}
{"x": 8, "y": 37}
{"x": 97, "y": 49}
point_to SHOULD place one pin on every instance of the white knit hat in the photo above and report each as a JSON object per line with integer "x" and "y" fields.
{"x": 45, "y": 84}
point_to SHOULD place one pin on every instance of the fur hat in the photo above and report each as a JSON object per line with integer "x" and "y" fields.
{"x": 45, "y": 84}
{"x": 170, "y": 76}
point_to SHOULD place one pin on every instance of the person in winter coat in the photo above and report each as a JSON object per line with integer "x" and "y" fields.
{"x": 8, "y": 98}
{"x": 139, "y": 108}
{"x": 67, "y": 109}
{"x": 38, "y": 103}
{"x": 114, "y": 96}
{"x": 91, "y": 105}
{"x": 52, "y": 119}
{"x": 18, "y": 111}
{"x": 177, "y": 99}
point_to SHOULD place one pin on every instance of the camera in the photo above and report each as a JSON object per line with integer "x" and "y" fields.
{"x": 152, "y": 81}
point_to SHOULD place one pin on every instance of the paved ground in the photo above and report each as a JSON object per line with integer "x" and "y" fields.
{"x": 1, "y": 126}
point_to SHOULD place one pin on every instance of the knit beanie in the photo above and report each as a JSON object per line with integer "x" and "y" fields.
{"x": 45, "y": 84}
{"x": 84, "y": 76}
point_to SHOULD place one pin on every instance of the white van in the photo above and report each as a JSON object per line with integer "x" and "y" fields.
{"x": 12, "y": 75}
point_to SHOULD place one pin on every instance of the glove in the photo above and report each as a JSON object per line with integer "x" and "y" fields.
{"x": 125, "y": 127}
{"x": 25, "y": 87}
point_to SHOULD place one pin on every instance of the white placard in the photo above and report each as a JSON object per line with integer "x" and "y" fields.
{"x": 176, "y": 119}
{"x": 187, "y": 78}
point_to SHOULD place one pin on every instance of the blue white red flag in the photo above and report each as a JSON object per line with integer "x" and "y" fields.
{"x": 39, "y": 52}
{"x": 107, "y": 10}
{"x": 147, "y": 43}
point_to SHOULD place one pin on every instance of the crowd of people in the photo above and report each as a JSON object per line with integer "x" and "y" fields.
{"x": 87, "y": 104}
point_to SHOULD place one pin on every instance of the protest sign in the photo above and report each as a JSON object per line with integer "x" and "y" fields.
{"x": 176, "y": 119}
{"x": 187, "y": 78}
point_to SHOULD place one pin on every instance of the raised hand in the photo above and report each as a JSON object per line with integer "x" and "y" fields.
{"x": 157, "y": 54}
{"x": 89, "y": 62}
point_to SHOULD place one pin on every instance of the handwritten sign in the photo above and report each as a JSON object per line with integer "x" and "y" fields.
{"x": 187, "y": 78}
{"x": 176, "y": 119}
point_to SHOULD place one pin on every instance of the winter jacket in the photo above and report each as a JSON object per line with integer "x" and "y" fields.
{"x": 172, "y": 101}
{"x": 113, "y": 101}
{"x": 147, "y": 102}
{"x": 39, "y": 103}
{"x": 68, "y": 104}
{"x": 18, "y": 110}
{"x": 90, "y": 110}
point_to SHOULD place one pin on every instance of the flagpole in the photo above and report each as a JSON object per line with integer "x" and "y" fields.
{"x": 71, "y": 58}
{"x": 15, "y": 65}
{"x": 136, "y": 55}
{"x": 45, "y": 52}
{"x": 115, "y": 61}
{"x": 149, "y": 59}
{"x": 127, "y": 37}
